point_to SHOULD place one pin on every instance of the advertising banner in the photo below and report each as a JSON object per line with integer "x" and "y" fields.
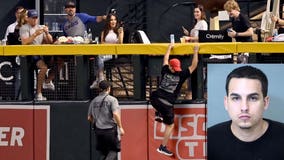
{"x": 8, "y": 71}
{"x": 24, "y": 132}
{"x": 144, "y": 134}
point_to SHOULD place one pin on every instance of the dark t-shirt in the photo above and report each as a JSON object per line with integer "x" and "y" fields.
{"x": 241, "y": 24}
{"x": 171, "y": 83}
{"x": 223, "y": 145}
{"x": 14, "y": 38}
{"x": 280, "y": 30}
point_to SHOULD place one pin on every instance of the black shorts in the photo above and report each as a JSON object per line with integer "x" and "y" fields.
{"x": 164, "y": 107}
{"x": 107, "y": 140}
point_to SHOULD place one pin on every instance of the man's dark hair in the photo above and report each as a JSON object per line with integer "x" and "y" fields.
{"x": 104, "y": 84}
{"x": 19, "y": 8}
{"x": 250, "y": 73}
{"x": 70, "y": 3}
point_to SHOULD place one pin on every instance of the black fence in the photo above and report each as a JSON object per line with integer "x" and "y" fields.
{"x": 133, "y": 77}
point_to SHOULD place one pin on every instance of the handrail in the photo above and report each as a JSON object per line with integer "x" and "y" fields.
{"x": 142, "y": 49}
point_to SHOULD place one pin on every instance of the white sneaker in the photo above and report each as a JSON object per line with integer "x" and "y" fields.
{"x": 49, "y": 85}
{"x": 40, "y": 97}
{"x": 94, "y": 85}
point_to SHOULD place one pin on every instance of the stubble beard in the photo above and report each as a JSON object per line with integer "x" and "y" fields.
{"x": 244, "y": 125}
{"x": 70, "y": 13}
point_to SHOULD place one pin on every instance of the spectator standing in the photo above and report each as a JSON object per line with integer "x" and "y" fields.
{"x": 241, "y": 28}
{"x": 75, "y": 24}
{"x": 200, "y": 24}
{"x": 112, "y": 34}
{"x": 14, "y": 38}
{"x": 11, "y": 27}
{"x": 34, "y": 34}
{"x": 104, "y": 114}
{"x": 192, "y": 36}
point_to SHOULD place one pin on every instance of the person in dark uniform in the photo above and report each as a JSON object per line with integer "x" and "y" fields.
{"x": 104, "y": 114}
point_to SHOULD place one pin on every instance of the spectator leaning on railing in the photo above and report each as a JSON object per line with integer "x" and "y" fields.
{"x": 192, "y": 36}
{"x": 200, "y": 24}
{"x": 241, "y": 28}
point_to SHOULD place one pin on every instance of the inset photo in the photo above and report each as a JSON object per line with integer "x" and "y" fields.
{"x": 245, "y": 111}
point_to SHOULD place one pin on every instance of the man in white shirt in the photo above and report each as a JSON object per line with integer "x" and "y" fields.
{"x": 11, "y": 27}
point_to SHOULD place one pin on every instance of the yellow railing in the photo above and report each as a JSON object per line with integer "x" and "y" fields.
{"x": 145, "y": 49}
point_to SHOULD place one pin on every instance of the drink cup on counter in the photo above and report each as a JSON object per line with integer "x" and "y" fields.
{"x": 182, "y": 40}
{"x": 3, "y": 42}
{"x": 97, "y": 40}
{"x": 53, "y": 26}
{"x": 56, "y": 26}
{"x": 172, "y": 38}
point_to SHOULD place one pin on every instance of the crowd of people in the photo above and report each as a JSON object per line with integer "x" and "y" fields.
{"x": 104, "y": 110}
{"x": 32, "y": 33}
{"x": 27, "y": 31}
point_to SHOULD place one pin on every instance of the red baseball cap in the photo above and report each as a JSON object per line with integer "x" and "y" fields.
{"x": 175, "y": 64}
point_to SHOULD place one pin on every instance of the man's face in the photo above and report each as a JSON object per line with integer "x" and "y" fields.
{"x": 233, "y": 13}
{"x": 70, "y": 11}
{"x": 33, "y": 21}
{"x": 245, "y": 103}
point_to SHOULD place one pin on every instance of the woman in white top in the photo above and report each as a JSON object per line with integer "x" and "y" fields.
{"x": 111, "y": 34}
{"x": 200, "y": 24}
{"x": 192, "y": 36}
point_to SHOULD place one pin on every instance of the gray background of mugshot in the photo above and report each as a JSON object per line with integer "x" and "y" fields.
{"x": 217, "y": 74}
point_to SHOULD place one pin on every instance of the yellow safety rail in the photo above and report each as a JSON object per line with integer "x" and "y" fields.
{"x": 139, "y": 49}
{"x": 1, "y": 50}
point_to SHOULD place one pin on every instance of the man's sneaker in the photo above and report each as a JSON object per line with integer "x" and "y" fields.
{"x": 158, "y": 117}
{"x": 40, "y": 97}
{"x": 49, "y": 85}
{"x": 163, "y": 150}
{"x": 94, "y": 85}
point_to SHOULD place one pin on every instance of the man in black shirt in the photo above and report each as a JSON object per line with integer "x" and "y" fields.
{"x": 247, "y": 135}
{"x": 241, "y": 29}
{"x": 164, "y": 97}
